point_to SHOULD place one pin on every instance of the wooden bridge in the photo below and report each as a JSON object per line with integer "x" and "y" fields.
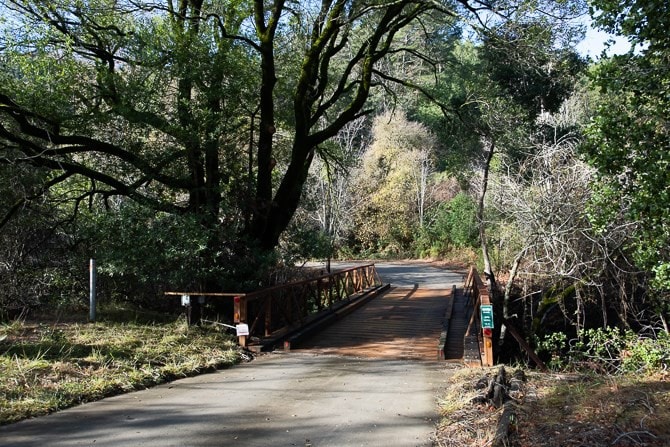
{"x": 354, "y": 312}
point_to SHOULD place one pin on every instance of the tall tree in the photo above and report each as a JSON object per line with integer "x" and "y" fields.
{"x": 392, "y": 184}
{"x": 629, "y": 138}
{"x": 148, "y": 100}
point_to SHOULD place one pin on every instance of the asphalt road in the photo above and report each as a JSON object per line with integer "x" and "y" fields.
{"x": 407, "y": 274}
{"x": 286, "y": 399}
{"x": 276, "y": 400}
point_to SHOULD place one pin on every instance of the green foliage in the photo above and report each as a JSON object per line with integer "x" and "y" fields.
{"x": 641, "y": 21}
{"x": 630, "y": 130}
{"x": 451, "y": 226}
{"x": 303, "y": 242}
{"x": 39, "y": 264}
{"x": 608, "y": 350}
{"x": 521, "y": 56}
{"x": 599, "y": 345}
{"x": 646, "y": 354}
{"x": 460, "y": 219}
{"x": 555, "y": 345}
{"x": 142, "y": 253}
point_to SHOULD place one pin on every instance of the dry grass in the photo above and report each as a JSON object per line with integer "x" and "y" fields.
{"x": 561, "y": 410}
{"x": 47, "y": 367}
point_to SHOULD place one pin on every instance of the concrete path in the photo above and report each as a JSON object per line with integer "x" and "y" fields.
{"x": 276, "y": 400}
{"x": 406, "y": 274}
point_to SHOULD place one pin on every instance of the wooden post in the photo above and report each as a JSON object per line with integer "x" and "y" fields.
{"x": 481, "y": 293}
{"x": 240, "y": 316}
{"x": 487, "y": 334}
{"x": 268, "y": 315}
{"x": 487, "y": 360}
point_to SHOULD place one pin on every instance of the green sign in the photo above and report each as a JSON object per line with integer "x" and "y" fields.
{"x": 486, "y": 313}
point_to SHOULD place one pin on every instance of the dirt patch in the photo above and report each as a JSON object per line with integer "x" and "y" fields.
{"x": 559, "y": 410}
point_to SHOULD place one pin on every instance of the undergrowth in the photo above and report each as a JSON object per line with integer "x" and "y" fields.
{"x": 608, "y": 351}
{"x": 562, "y": 409}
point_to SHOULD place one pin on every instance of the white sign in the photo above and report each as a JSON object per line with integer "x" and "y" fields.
{"x": 185, "y": 300}
{"x": 242, "y": 329}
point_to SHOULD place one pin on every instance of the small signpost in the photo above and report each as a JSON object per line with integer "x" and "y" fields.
{"x": 486, "y": 315}
{"x": 92, "y": 275}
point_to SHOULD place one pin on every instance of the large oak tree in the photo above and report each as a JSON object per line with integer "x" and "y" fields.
{"x": 176, "y": 104}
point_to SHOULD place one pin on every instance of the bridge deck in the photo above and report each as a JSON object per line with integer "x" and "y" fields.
{"x": 401, "y": 324}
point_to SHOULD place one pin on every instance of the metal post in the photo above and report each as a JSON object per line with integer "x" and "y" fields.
{"x": 92, "y": 290}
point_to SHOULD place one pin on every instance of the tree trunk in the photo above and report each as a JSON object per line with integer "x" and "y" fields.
{"x": 488, "y": 271}
{"x": 286, "y": 199}
{"x": 508, "y": 292}
{"x": 265, "y": 27}
{"x": 264, "y": 158}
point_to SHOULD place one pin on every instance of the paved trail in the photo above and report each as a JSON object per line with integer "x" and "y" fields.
{"x": 294, "y": 399}
{"x": 408, "y": 274}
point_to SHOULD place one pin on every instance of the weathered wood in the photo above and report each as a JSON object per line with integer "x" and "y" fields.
{"x": 499, "y": 388}
{"x": 508, "y": 415}
{"x": 525, "y": 346}
{"x": 480, "y": 296}
{"x": 501, "y": 391}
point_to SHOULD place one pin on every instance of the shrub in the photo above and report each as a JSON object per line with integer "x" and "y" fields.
{"x": 452, "y": 226}
{"x": 609, "y": 350}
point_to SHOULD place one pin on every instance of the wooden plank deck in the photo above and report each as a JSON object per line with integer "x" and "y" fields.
{"x": 400, "y": 324}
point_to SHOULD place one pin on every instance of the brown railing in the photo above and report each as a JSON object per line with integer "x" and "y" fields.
{"x": 278, "y": 309}
{"x": 478, "y": 296}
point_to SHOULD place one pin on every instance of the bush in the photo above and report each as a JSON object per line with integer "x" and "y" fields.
{"x": 607, "y": 350}
{"x": 151, "y": 252}
{"x": 40, "y": 265}
{"x": 451, "y": 226}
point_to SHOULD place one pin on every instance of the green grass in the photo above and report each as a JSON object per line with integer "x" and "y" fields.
{"x": 45, "y": 368}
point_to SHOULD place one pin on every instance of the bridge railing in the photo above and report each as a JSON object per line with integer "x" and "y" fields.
{"x": 480, "y": 301}
{"x": 275, "y": 310}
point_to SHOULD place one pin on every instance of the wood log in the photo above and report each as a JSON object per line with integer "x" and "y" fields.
{"x": 497, "y": 393}
{"x": 525, "y": 346}
{"x": 499, "y": 388}
{"x": 505, "y": 421}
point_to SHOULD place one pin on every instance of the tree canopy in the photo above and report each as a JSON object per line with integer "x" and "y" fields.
{"x": 628, "y": 139}
{"x": 156, "y": 101}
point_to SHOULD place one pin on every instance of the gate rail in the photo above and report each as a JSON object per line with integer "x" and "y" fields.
{"x": 278, "y": 309}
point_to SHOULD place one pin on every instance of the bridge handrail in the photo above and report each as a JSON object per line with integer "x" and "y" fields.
{"x": 255, "y": 293}
{"x": 479, "y": 296}
{"x": 271, "y": 288}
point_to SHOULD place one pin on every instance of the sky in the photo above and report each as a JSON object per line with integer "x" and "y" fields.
{"x": 594, "y": 44}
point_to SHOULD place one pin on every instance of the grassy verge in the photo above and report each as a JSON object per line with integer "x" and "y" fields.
{"x": 557, "y": 410}
{"x": 47, "y": 367}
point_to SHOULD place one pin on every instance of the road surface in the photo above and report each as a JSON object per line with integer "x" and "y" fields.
{"x": 406, "y": 274}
